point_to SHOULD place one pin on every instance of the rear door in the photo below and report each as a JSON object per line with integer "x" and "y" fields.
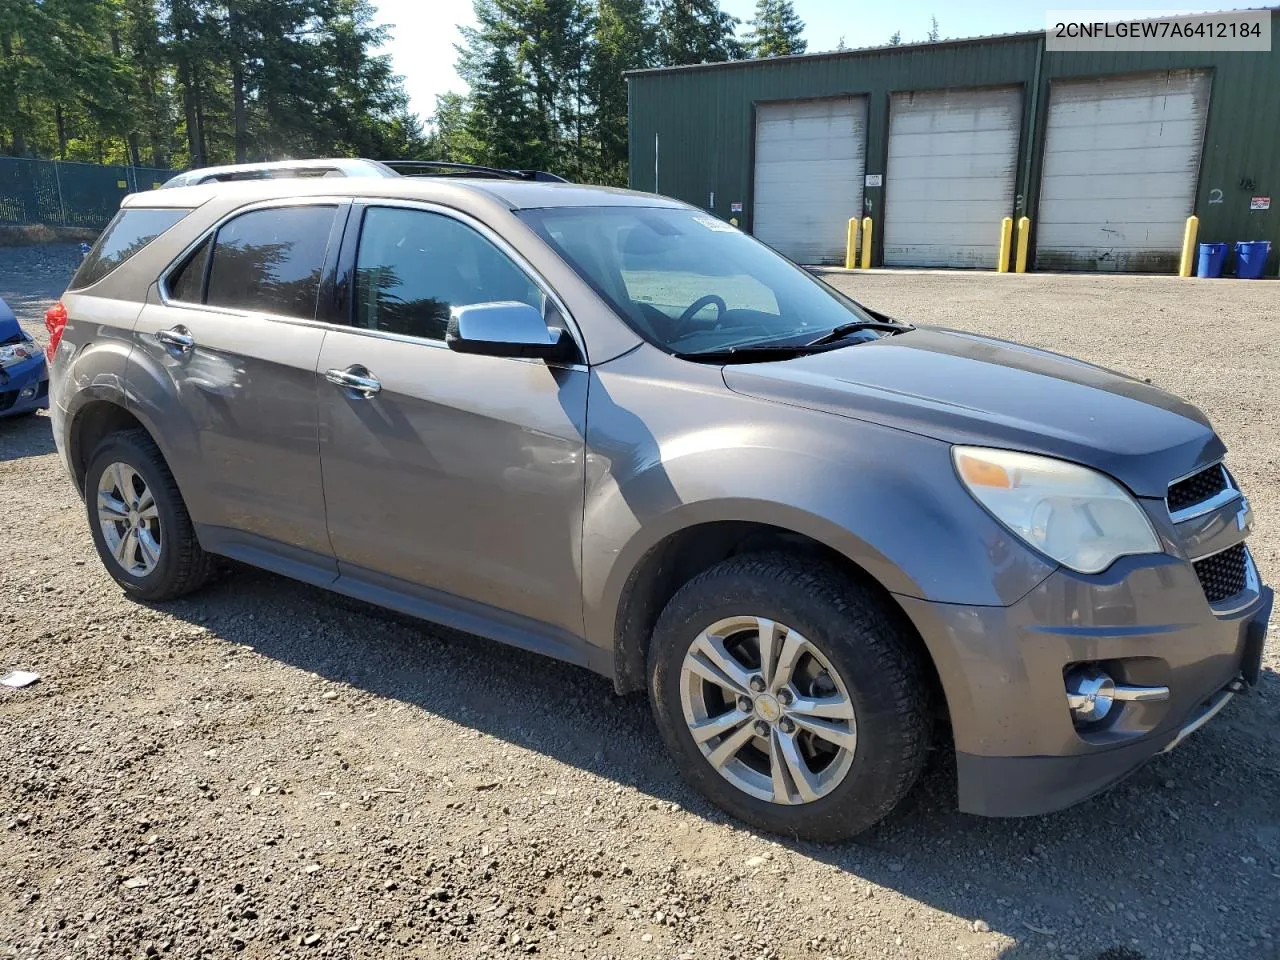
{"x": 225, "y": 368}
{"x": 460, "y": 480}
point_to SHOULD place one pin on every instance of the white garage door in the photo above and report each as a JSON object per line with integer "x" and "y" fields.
{"x": 950, "y": 176}
{"x": 1120, "y": 162}
{"x": 810, "y": 157}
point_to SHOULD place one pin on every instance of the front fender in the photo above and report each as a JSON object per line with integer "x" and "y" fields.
{"x": 887, "y": 500}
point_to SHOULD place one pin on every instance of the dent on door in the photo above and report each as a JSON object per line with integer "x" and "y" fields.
{"x": 234, "y": 398}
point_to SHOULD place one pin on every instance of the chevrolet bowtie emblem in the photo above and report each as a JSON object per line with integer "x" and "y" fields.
{"x": 1244, "y": 516}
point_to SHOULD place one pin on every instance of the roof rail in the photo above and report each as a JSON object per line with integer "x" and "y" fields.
{"x": 437, "y": 168}
{"x": 279, "y": 169}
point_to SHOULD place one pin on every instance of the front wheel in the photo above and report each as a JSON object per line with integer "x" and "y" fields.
{"x": 790, "y": 696}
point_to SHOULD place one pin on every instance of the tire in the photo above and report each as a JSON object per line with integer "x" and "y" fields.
{"x": 182, "y": 566}
{"x": 878, "y": 672}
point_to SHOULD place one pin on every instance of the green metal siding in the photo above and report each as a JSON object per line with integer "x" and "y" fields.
{"x": 703, "y": 118}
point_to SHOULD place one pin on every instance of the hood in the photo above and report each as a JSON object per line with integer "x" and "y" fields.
{"x": 8, "y": 323}
{"x": 966, "y": 389}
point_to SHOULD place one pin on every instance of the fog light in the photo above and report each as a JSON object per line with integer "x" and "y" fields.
{"x": 26, "y": 393}
{"x": 1091, "y": 694}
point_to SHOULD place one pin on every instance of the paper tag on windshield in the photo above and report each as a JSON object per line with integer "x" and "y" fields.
{"x": 719, "y": 226}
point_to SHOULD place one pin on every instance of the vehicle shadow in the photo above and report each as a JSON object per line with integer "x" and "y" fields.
{"x": 26, "y": 436}
{"x": 1135, "y": 874}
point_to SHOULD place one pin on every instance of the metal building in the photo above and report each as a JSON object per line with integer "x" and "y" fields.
{"x": 1108, "y": 153}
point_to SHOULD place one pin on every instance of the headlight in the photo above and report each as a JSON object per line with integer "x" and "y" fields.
{"x": 15, "y": 353}
{"x": 1075, "y": 515}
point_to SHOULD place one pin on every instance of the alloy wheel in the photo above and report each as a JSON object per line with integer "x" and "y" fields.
{"x": 768, "y": 710}
{"x": 129, "y": 519}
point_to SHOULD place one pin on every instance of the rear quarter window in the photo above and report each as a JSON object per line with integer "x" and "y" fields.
{"x": 130, "y": 231}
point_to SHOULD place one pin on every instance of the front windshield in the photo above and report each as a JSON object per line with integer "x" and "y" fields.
{"x": 690, "y": 282}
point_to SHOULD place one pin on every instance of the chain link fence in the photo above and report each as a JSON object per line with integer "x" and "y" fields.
{"x": 60, "y": 193}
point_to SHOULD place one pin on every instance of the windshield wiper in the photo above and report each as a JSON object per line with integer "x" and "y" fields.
{"x": 751, "y": 353}
{"x": 854, "y": 326}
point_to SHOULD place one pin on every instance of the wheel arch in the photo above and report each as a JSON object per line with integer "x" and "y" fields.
{"x": 682, "y": 554}
{"x": 90, "y": 425}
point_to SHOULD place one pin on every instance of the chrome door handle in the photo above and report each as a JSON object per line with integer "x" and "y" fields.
{"x": 360, "y": 383}
{"x": 177, "y": 337}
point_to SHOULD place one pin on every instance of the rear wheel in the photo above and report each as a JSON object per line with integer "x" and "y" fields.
{"x": 790, "y": 695}
{"x": 139, "y": 522}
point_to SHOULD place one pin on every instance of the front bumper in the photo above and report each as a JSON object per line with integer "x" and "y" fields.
{"x": 24, "y": 388}
{"x": 1018, "y": 753}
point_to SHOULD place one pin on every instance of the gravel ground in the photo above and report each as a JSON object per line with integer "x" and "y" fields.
{"x": 268, "y": 770}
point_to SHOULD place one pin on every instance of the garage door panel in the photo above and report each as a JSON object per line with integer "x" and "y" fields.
{"x": 947, "y": 167}
{"x": 950, "y": 175}
{"x": 1127, "y": 187}
{"x": 1125, "y": 162}
{"x": 1131, "y": 136}
{"x": 957, "y": 211}
{"x": 945, "y": 254}
{"x": 809, "y": 164}
{"x": 1121, "y": 158}
{"x": 1080, "y": 235}
{"x": 936, "y": 142}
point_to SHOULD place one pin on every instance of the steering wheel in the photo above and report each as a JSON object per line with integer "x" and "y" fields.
{"x": 691, "y": 311}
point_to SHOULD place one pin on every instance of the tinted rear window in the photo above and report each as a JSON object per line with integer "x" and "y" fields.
{"x": 270, "y": 261}
{"x": 129, "y": 232}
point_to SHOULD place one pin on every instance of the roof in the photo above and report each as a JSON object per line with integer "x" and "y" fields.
{"x": 836, "y": 54}
{"x": 514, "y": 194}
{"x": 912, "y": 47}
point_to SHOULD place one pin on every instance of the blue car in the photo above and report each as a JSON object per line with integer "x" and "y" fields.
{"x": 24, "y": 376}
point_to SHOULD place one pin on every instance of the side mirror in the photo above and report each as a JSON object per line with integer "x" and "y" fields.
{"x": 506, "y": 329}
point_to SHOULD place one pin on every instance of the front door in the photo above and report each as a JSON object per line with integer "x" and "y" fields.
{"x": 461, "y": 478}
{"x": 225, "y": 364}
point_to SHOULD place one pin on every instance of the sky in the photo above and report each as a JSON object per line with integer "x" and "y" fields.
{"x": 425, "y": 31}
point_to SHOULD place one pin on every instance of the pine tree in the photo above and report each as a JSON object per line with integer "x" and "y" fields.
{"x": 696, "y": 31}
{"x": 625, "y": 39}
{"x": 775, "y": 31}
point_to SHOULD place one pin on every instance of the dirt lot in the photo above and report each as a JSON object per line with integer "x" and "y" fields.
{"x": 267, "y": 770}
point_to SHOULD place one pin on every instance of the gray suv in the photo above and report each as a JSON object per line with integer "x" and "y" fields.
{"x": 608, "y": 427}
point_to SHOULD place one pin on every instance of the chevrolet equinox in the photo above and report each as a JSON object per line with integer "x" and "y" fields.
{"x": 611, "y": 428}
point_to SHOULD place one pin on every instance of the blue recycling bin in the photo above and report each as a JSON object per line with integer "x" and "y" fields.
{"x": 1212, "y": 257}
{"x": 1251, "y": 258}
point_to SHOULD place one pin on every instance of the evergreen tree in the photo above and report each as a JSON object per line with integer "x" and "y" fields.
{"x": 775, "y": 31}
{"x": 625, "y": 39}
{"x": 696, "y": 31}
{"x": 198, "y": 81}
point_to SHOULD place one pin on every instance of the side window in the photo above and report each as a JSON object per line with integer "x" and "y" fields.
{"x": 130, "y": 231}
{"x": 414, "y": 266}
{"x": 270, "y": 261}
{"x": 187, "y": 282}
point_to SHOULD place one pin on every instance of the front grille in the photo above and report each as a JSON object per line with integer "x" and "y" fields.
{"x": 1197, "y": 488}
{"x": 1224, "y": 574}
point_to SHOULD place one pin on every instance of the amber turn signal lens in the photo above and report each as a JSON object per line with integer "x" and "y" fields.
{"x": 983, "y": 473}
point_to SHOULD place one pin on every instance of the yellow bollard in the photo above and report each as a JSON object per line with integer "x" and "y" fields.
{"x": 851, "y": 245}
{"x": 1024, "y": 241}
{"x": 866, "y": 243}
{"x": 1188, "y": 246}
{"x": 1006, "y": 241}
